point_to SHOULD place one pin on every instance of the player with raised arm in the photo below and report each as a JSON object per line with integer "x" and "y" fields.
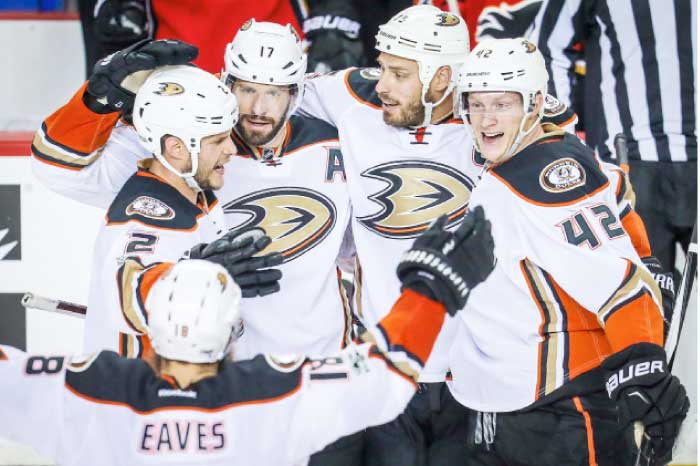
{"x": 561, "y": 348}
{"x": 194, "y": 407}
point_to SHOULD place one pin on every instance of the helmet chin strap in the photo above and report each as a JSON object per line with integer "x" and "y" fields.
{"x": 189, "y": 176}
{"x": 429, "y": 106}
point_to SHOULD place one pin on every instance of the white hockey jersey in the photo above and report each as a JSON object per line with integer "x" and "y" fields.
{"x": 400, "y": 181}
{"x": 568, "y": 288}
{"x": 149, "y": 222}
{"x": 300, "y": 199}
{"x": 269, "y": 411}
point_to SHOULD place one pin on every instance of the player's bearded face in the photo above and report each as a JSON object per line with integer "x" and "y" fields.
{"x": 215, "y": 152}
{"x": 263, "y": 111}
{"x": 399, "y": 89}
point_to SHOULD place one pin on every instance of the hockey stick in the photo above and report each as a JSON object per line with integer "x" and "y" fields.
{"x": 680, "y": 305}
{"x": 30, "y": 300}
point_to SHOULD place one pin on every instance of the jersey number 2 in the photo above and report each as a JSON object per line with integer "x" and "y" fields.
{"x": 578, "y": 229}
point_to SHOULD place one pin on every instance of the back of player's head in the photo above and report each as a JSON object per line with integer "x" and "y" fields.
{"x": 193, "y": 312}
{"x": 266, "y": 53}
{"x": 431, "y": 37}
{"x": 185, "y": 102}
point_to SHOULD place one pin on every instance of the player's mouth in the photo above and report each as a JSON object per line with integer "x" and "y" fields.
{"x": 258, "y": 122}
{"x": 389, "y": 105}
{"x": 219, "y": 168}
{"x": 491, "y": 136}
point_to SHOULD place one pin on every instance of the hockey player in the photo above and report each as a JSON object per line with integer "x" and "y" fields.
{"x": 287, "y": 178}
{"x": 183, "y": 118}
{"x": 197, "y": 409}
{"x": 560, "y": 350}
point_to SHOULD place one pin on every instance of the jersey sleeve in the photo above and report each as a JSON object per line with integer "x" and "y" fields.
{"x": 132, "y": 257}
{"x": 80, "y": 154}
{"x": 33, "y": 401}
{"x": 367, "y": 384}
{"x": 559, "y": 26}
{"x": 327, "y": 96}
{"x": 625, "y": 196}
{"x": 582, "y": 248}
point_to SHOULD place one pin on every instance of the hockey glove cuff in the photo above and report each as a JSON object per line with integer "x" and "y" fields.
{"x": 667, "y": 287}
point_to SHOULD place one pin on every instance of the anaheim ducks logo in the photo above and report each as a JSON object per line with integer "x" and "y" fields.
{"x": 169, "y": 89}
{"x": 505, "y": 21}
{"x": 296, "y": 219}
{"x": 447, "y": 19}
{"x": 418, "y": 192}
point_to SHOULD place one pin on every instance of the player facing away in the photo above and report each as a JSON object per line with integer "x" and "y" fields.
{"x": 194, "y": 407}
{"x": 183, "y": 117}
{"x": 560, "y": 350}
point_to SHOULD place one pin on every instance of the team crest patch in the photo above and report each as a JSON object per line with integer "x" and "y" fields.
{"x": 150, "y": 207}
{"x": 562, "y": 175}
{"x": 553, "y": 106}
{"x": 169, "y": 89}
{"x": 447, "y": 19}
{"x": 371, "y": 74}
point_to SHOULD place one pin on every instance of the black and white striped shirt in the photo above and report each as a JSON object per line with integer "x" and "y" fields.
{"x": 640, "y": 71}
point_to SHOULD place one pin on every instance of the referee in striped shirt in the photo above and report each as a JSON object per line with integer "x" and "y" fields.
{"x": 640, "y": 80}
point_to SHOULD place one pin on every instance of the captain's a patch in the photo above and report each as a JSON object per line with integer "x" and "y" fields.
{"x": 150, "y": 207}
{"x": 562, "y": 175}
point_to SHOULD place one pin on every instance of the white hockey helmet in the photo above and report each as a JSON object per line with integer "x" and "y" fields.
{"x": 503, "y": 65}
{"x": 193, "y": 312}
{"x": 185, "y": 102}
{"x": 431, "y": 37}
{"x": 267, "y": 53}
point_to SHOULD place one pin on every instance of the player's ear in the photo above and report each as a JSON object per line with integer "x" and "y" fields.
{"x": 173, "y": 147}
{"x": 441, "y": 80}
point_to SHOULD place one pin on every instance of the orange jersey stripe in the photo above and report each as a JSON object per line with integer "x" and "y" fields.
{"x": 77, "y": 128}
{"x": 638, "y": 320}
{"x": 589, "y": 431}
{"x": 414, "y": 323}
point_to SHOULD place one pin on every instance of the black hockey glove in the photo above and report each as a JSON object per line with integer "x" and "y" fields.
{"x": 236, "y": 252}
{"x": 667, "y": 286}
{"x": 121, "y": 23}
{"x": 445, "y": 266}
{"x": 639, "y": 381}
{"x": 116, "y": 78}
{"x": 333, "y": 28}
